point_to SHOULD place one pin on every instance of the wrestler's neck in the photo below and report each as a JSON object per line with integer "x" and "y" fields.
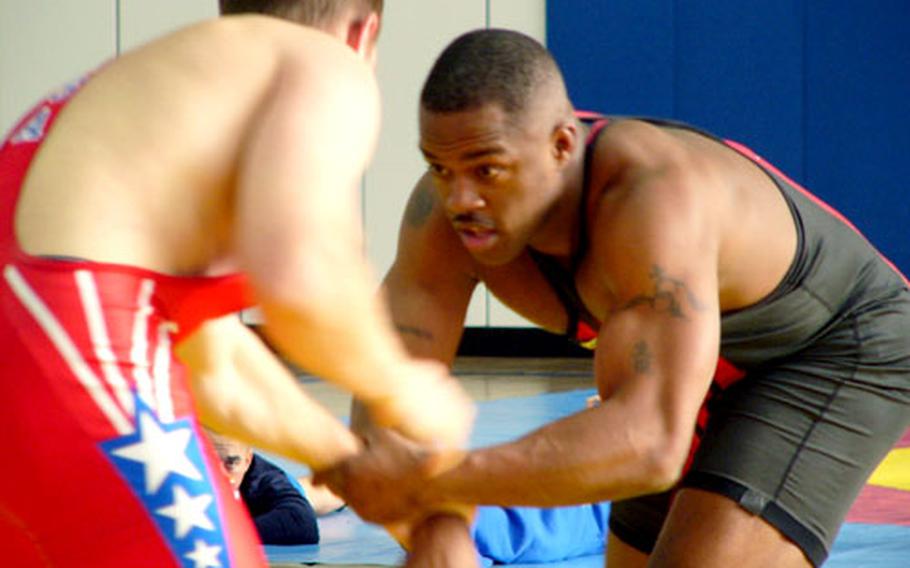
{"x": 557, "y": 233}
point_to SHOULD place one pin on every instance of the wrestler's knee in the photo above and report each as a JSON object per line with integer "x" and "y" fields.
{"x": 442, "y": 541}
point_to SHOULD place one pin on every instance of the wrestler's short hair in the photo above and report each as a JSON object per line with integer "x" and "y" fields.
{"x": 488, "y": 66}
{"x": 307, "y": 12}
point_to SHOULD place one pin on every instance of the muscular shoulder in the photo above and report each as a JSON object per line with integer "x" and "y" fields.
{"x": 426, "y": 238}
{"x": 323, "y": 72}
{"x": 637, "y": 147}
{"x": 254, "y": 50}
{"x": 655, "y": 191}
{"x": 234, "y": 69}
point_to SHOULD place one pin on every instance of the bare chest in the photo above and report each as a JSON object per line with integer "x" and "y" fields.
{"x": 547, "y": 295}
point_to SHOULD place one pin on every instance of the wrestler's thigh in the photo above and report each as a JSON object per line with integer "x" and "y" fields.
{"x": 707, "y": 530}
{"x": 792, "y": 447}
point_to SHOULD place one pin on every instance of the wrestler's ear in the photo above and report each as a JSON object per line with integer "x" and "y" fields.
{"x": 564, "y": 140}
{"x": 363, "y": 33}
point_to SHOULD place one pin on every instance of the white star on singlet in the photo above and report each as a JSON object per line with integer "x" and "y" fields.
{"x": 203, "y": 555}
{"x": 188, "y": 512}
{"x": 161, "y": 452}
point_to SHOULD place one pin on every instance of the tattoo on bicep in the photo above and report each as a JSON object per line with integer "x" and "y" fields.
{"x": 670, "y": 295}
{"x": 420, "y": 205}
{"x": 414, "y": 331}
{"x": 641, "y": 358}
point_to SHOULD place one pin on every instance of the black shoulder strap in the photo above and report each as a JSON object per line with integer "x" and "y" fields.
{"x": 561, "y": 281}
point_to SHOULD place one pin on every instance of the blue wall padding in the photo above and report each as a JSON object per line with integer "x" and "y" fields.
{"x": 821, "y": 89}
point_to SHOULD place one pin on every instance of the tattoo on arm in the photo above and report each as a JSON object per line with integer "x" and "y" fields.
{"x": 414, "y": 331}
{"x": 670, "y": 295}
{"x": 419, "y": 207}
{"x": 641, "y": 358}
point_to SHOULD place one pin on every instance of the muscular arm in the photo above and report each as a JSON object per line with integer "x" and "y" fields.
{"x": 300, "y": 241}
{"x": 429, "y": 285}
{"x": 656, "y": 264}
{"x": 299, "y": 237}
{"x": 431, "y": 281}
{"x": 655, "y": 287}
{"x": 652, "y": 280}
{"x": 428, "y": 289}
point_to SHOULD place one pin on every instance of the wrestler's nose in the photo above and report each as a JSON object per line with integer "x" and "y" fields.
{"x": 463, "y": 196}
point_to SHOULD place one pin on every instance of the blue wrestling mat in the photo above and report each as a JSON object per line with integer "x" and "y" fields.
{"x": 874, "y": 536}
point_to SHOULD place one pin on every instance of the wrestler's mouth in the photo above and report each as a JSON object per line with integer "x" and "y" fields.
{"x": 476, "y": 236}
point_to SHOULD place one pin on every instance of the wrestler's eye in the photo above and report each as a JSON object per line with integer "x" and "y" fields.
{"x": 439, "y": 171}
{"x": 488, "y": 172}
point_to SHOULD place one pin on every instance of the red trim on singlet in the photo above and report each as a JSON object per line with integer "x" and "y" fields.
{"x": 727, "y": 373}
{"x": 598, "y": 123}
{"x": 188, "y": 300}
{"x": 749, "y": 153}
{"x": 584, "y": 332}
{"x": 588, "y": 115}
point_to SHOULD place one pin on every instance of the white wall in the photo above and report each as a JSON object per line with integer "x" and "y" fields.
{"x": 142, "y": 20}
{"x": 45, "y": 43}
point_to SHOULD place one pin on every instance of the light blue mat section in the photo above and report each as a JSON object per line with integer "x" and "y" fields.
{"x": 345, "y": 539}
{"x": 348, "y": 540}
{"x": 871, "y": 546}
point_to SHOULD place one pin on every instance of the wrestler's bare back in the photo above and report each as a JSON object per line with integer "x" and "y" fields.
{"x": 155, "y": 189}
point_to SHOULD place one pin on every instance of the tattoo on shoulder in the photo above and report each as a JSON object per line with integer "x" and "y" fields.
{"x": 420, "y": 205}
{"x": 641, "y": 358}
{"x": 414, "y": 331}
{"x": 670, "y": 295}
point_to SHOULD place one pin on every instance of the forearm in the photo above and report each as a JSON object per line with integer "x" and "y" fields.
{"x": 299, "y": 231}
{"x": 242, "y": 390}
{"x": 416, "y": 397}
{"x": 426, "y": 330}
{"x": 587, "y": 457}
{"x": 321, "y": 498}
{"x": 281, "y": 420}
{"x": 418, "y": 343}
{"x": 337, "y": 330}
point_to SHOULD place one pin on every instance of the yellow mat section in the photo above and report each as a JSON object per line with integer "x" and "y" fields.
{"x": 894, "y": 471}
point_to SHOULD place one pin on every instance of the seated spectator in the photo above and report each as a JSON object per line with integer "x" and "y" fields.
{"x": 277, "y": 503}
